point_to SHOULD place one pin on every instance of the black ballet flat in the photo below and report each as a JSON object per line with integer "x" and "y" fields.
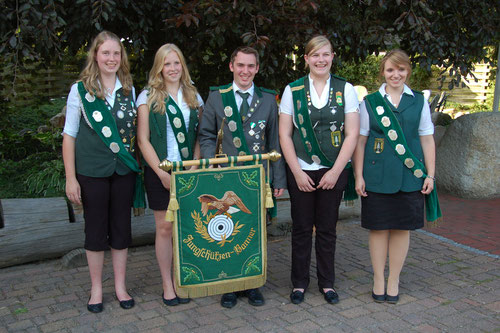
{"x": 392, "y": 299}
{"x": 170, "y": 302}
{"x": 128, "y": 304}
{"x": 379, "y": 298}
{"x": 183, "y": 300}
{"x": 297, "y": 297}
{"x": 95, "y": 308}
{"x": 330, "y": 296}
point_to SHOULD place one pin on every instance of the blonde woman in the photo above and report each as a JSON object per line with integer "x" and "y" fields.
{"x": 318, "y": 128}
{"x": 98, "y": 153}
{"x": 168, "y": 125}
{"x": 396, "y": 140}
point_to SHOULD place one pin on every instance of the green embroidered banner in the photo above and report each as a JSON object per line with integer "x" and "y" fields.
{"x": 219, "y": 235}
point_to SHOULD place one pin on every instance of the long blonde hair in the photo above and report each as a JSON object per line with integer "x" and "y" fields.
{"x": 157, "y": 85}
{"x": 90, "y": 74}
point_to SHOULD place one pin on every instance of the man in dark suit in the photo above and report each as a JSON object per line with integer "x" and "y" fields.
{"x": 250, "y": 127}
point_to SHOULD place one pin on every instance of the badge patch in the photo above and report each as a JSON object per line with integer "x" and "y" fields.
{"x": 106, "y": 131}
{"x": 177, "y": 122}
{"x": 392, "y": 135}
{"x": 228, "y": 111}
{"x": 304, "y": 132}
{"x": 378, "y": 146}
{"x": 232, "y": 125}
{"x": 97, "y": 115}
{"x": 301, "y": 119}
{"x": 316, "y": 159}
{"x": 380, "y": 110}
{"x": 120, "y": 114}
{"x": 385, "y": 121}
{"x": 409, "y": 163}
{"x": 114, "y": 147}
{"x": 172, "y": 109}
{"x": 400, "y": 149}
{"x": 181, "y": 137}
{"x": 89, "y": 98}
{"x": 237, "y": 142}
{"x": 336, "y": 138}
{"x": 309, "y": 146}
{"x": 299, "y": 104}
{"x": 338, "y": 98}
{"x": 418, "y": 173}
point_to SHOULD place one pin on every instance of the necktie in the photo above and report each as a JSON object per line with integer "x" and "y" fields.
{"x": 244, "y": 104}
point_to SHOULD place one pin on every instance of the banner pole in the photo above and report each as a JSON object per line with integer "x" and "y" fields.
{"x": 167, "y": 165}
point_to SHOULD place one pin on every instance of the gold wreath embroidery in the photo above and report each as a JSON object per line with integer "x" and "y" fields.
{"x": 201, "y": 228}
{"x": 252, "y": 266}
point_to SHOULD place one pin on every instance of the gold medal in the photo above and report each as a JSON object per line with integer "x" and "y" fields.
{"x": 392, "y": 135}
{"x": 400, "y": 149}
{"x": 409, "y": 163}
{"x": 232, "y": 126}
{"x": 380, "y": 110}
{"x": 386, "y": 121}
{"x": 418, "y": 173}
{"x": 309, "y": 146}
{"x": 304, "y": 132}
{"x": 298, "y": 104}
{"x": 228, "y": 111}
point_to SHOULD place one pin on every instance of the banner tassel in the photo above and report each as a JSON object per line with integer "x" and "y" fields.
{"x": 269, "y": 197}
{"x": 173, "y": 205}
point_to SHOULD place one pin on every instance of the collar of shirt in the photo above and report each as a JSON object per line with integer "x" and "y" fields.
{"x": 111, "y": 98}
{"x": 406, "y": 90}
{"x": 316, "y": 100}
{"x": 178, "y": 99}
{"x": 238, "y": 97}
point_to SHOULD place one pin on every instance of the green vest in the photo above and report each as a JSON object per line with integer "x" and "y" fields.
{"x": 328, "y": 122}
{"x": 92, "y": 157}
{"x": 383, "y": 171}
{"x": 158, "y": 131}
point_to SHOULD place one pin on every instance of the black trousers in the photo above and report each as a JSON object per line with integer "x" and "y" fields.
{"x": 319, "y": 208}
{"x": 107, "y": 203}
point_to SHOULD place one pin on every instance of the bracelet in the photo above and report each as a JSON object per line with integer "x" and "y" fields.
{"x": 431, "y": 177}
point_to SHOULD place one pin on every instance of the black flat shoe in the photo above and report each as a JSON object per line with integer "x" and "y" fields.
{"x": 378, "y": 298}
{"x": 128, "y": 304}
{"x": 228, "y": 300}
{"x": 392, "y": 299}
{"x": 297, "y": 297}
{"x": 255, "y": 297}
{"x": 95, "y": 308}
{"x": 170, "y": 302}
{"x": 183, "y": 300}
{"x": 330, "y": 296}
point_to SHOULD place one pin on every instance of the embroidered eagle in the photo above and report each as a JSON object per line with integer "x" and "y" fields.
{"x": 222, "y": 205}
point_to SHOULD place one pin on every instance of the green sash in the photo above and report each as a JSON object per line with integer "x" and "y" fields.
{"x": 303, "y": 122}
{"x": 234, "y": 119}
{"x": 102, "y": 122}
{"x": 388, "y": 123}
{"x": 178, "y": 125}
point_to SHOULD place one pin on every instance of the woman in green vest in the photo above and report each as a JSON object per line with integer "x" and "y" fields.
{"x": 396, "y": 141}
{"x": 318, "y": 129}
{"x": 98, "y": 153}
{"x": 168, "y": 125}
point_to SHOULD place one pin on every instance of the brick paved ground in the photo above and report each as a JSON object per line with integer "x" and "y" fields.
{"x": 475, "y": 223}
{"x": 444, "y": 288}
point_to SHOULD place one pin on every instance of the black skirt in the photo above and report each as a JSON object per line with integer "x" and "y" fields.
{"x": 401, "y": 211}
{"x": 158, "y": 196}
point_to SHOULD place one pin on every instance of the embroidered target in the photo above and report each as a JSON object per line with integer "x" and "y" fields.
{"x": 220, "y": 226}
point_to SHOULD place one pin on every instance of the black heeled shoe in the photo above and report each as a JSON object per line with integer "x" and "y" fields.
{"x": 378, "y": 298}
{"x": 330, "y": 296}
